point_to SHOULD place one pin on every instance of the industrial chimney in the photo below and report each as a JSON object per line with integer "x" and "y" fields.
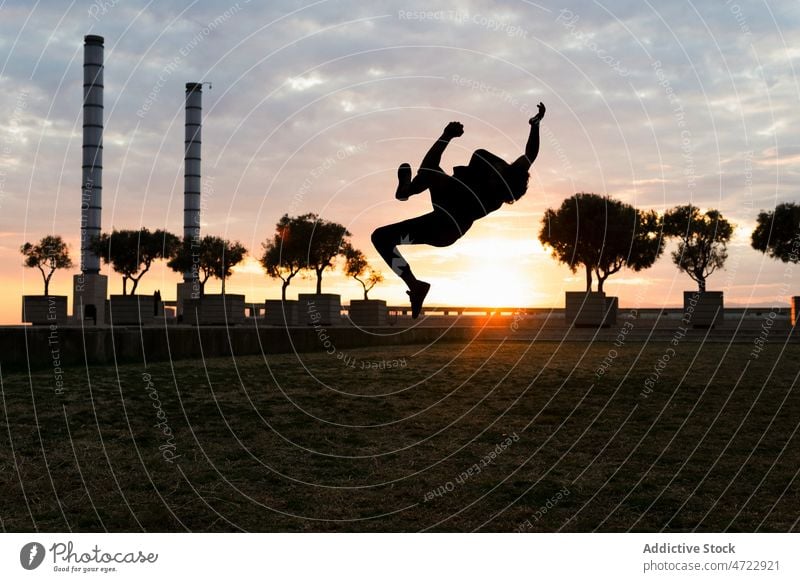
{"x": 91, "y": 201}
{"x": 90, "y": 287}
{"x": 191, "y": 163}
{"x": 192, "y": 185}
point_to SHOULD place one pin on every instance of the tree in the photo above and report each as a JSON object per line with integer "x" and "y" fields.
{"x": 211, "y": 256}
{"x": 357, "y": 266}
{"x": 131, "y": 253}
{"x": 188, "y": 259}
{"x": 223, "y": 255}
{"x": 603, "y": 235}
{"x": 634, "y": 239}
{"x": 778, "y": 233}
{"x": 326, "y": 241}
{"x": 285, "y": 254}
{"x": 702, "y": 240}
{"x": 48, "y": 255}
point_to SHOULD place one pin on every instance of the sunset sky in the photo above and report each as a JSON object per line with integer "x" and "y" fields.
{"x": 314, "y": 106}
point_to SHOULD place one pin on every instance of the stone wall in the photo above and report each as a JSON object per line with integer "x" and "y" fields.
{"x": 39, "y": 347}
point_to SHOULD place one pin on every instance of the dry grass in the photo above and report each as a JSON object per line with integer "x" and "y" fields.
{"x": 307, "y": 443}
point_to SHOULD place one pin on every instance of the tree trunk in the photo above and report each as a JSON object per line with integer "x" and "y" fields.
{"x": 319, "y": 281}
{"x": 223, "y": 285}
{"x": 47, "y": 286}
{"x": 364, "y": 285}
{"x": 588, "y": 278}
{"x": 283, "y": 290}
{"x": 701, "y": 282}
{"x": 600, "y": 281}
{"x": 124, "y": 285}
{"x": 135, "y": 284}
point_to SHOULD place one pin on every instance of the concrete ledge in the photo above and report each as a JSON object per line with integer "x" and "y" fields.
{"x": 49, "y": 346}
{"x": 277, "y": 312}
{"x": 22, "y": 348}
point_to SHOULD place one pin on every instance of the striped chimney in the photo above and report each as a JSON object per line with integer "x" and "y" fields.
{"x": 92, "y": 174}
{"x": 192, "y": 186}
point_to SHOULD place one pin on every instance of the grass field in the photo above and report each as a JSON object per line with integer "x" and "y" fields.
{"x": 454, "y": 437}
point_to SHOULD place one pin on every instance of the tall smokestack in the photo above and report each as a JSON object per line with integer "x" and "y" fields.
{"x": 90, "y": 288}
{"x": 92, "y": 187}
{"x": 192, "y": 186}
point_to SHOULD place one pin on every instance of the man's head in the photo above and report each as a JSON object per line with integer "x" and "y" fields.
{"x": 508, "y": 181}
{"x": 515, "y": 178}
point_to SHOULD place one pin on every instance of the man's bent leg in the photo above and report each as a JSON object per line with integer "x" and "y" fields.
{"x": 403, "y": 183}
{"x": 427, "y": 229}
{"x": 424, "y": 179}
{"x": 386, "y": 239}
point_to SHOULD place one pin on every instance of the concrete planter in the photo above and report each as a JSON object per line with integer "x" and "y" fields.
{"x": 133, "y": 310}
{"x": 215, "y": 309}
{"x": 277, "y": 312}
{"x": 591, "y": 309}
{"x": 368, "y": 312}
{"x": 323, "y": 309}
{"x": 795, "y": 314}
{"x": 703, "y": 309}
{"x": 44, "y": 309}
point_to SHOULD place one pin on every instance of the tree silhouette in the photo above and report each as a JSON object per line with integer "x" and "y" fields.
{"x": 285, "y": 254}
{"x": 327, "y": 240}
{"x": 223, "y": 256}
{"x": 48, "y": 255}
{"x": 603, "y": 235}
{"x": 187, "y": 259}
{"x": 211, "y": 256}
{"x": 634, "y": 239}
{"x": 702, "y": 241}
{"x": 778, "y": 233}
{"x": 357, "y": 266}
{"x": 131, "y": 253}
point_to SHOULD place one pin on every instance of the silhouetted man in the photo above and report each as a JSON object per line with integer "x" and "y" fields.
{"x": 472, "y": 192}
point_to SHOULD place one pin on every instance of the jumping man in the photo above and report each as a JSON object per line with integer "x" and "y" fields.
{"x": 472, "y": 192}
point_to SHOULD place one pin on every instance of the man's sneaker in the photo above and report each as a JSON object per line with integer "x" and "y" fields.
{"x": 417, "y": 296}
{"x": 403, "y": 182}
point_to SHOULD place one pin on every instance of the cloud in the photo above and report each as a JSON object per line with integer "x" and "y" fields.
{"x": 655, "y": 103}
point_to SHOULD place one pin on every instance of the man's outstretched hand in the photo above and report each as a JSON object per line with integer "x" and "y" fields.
{"x": 538, "y": 117}
{"x": 453, "y": 129}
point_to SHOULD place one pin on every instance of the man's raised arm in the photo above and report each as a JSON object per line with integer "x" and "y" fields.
{"x": 532, "y": 147}
{"x": 433, "y": 159}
